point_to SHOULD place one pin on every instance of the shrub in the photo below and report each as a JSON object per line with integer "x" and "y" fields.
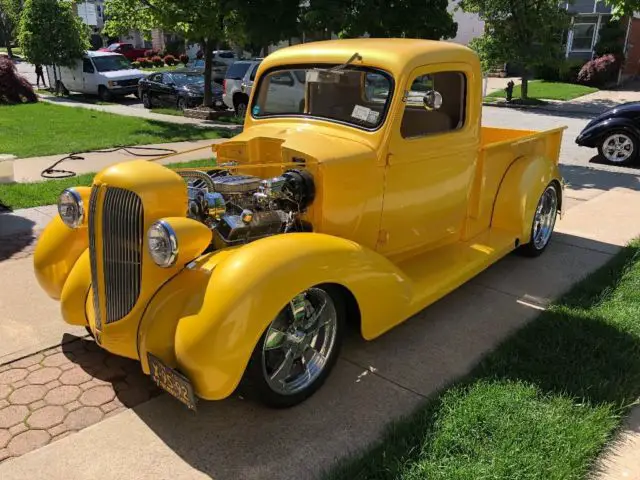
{"x": 599, "y": 71}
{"x": 157, "y": 61}
{"x": 170, "y": 60}
{"x": 144, "y": 62}
{"x": 135, "y": 64}
{"x": 184, "y": 58}
{"x": 174, "y": 47}
{"x": 150, "y": 53}
{"x": 569, "y": 70}
{"x": 611, "y": 40}
{"x": 13, "y": 87}
{"x": 548, "y": 73}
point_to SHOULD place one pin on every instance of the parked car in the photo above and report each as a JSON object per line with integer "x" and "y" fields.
{"x": 218, "y": 68}
{"x": 125, "y": 49}
{"x": 615, "y": 133}
{"x": 245, "y": 274}
{"x": 104, "y": 74}
{"x": 177, "y": 89}
{"x": 238, "y": 83}
{"x": 227, "y": 57}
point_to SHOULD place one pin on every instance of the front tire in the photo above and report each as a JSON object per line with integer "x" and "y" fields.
{"x": 619, "y": 148}
{"x": 544, "y": 220}
{"x": 146, "y": 100}
{"x": 298, "y": 350}
{"x": 182, "y": 104}
{"x": 104, "y": 94}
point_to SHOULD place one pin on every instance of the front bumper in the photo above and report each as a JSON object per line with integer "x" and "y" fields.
{"x": 117, "y": 90}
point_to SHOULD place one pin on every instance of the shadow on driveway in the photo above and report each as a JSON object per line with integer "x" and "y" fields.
{"x": 376, "y": 382}
{"x": 16, "y": 234}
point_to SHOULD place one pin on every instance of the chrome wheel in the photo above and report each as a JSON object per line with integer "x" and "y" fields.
{"x": 545, "y": 218}
{"x": 299, "y": 342}
{"x": 618, "y": 148}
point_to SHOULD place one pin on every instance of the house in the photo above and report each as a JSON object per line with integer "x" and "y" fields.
{"x": 588, "y": 16}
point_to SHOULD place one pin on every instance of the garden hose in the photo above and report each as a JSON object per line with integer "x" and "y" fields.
{"x": 53, "y": 172}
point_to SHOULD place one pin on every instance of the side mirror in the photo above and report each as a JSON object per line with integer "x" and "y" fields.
{"x": 432, "y": 100}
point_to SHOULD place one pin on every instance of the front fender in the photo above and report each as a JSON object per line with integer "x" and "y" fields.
{"x": 249, "y": 287}
{"x": 57, "y": 251}
{"x": 519, "y": 193}
{"x": 592, "y": 134}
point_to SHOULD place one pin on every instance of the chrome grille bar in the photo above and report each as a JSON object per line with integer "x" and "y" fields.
{"x": 122, "y": 234}
{"x": 93, "y": 201}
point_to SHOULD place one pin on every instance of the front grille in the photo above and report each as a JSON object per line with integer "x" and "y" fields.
{"x": 93, "y": 203}
{"x": 128, "y": 83}
{"x": 121, "y": 259}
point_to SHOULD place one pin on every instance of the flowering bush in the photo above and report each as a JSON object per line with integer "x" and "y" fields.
{"x": 135, "y": 64}
{"x": 144, "y": 62}
{"x": 157, "y": 61}
{"x": 150, "y": 53}
{"x": 170, "y": 60}
{"x": 599, "y": 71}
{"x": 13, "y": 87}
{"x": 184, "y": 59}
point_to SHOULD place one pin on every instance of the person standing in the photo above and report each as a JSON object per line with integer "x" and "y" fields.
{"x": 40, "y": 74}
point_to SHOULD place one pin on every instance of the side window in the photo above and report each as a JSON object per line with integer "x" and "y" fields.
{"x": 87, "y": 66}
{"x": 419, "y": 120}
{"x": 282, "y": 78}
{"x": 167, "y": 79}
{"x": 155, "y": 77}
{"x": 252, "y": 77}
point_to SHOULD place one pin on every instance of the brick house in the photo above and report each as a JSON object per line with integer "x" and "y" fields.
{"x": 588, "y": 16}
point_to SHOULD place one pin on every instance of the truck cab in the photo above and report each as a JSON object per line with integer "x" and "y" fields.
{"x": 364, "y": 195}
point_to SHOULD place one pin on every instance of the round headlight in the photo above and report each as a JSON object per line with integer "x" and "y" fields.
{"x": 70, "y": 208}
{"x": 163, "y": 244}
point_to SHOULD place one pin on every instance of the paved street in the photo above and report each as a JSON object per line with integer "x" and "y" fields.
{"x": 373, "y": 382}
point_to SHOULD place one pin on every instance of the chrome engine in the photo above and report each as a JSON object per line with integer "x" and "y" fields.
{"x": 243, "y": 208}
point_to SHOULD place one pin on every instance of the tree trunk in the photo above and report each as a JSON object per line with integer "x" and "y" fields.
{"x": 207, "y": 43}
{"x": 524, "y": 90}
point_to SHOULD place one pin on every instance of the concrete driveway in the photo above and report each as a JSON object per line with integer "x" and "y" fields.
{"x": 372, "y": 384}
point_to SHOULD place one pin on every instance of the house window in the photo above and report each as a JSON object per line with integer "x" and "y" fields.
{"x": 584, "y": 29}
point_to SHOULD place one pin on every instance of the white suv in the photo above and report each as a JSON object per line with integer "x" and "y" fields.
{"x": 237, "y": 85}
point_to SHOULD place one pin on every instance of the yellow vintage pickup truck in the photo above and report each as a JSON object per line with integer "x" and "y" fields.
{"x": 362, "y": 189}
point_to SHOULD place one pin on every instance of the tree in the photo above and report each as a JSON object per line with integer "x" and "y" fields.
{"x": 9, "y": 18}
{"x": 260, "y": 23}
{"x": 524, "y": 32}
{"x": 197, "y": 20}
{"x": 50, "y": 33}
{"x": 621, "y": 8}
{"x": 381, "y": 18}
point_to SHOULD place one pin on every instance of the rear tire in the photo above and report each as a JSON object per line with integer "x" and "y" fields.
{"x": 619, "y": 147}
{"x": 297, "y": 352}
{"x": 182, "y": 104}
{"x": 544, "y": 220}
{"x": 240, "y": 106}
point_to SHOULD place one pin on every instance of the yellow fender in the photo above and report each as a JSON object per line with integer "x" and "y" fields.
{"x": 519, "y": 193}
{"x": 249, "y": 287}
{"x": 57, "y": 251}
{"x": 74, "y": 293}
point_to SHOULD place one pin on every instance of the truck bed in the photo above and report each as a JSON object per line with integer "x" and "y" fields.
{"x": 499, "y": 148}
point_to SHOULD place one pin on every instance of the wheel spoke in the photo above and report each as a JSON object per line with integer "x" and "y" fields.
{"x": 275, "y": 339}
{"x": 284, "y": 370}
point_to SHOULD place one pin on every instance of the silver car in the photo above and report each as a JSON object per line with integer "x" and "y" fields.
{"x": 218, "y": 68}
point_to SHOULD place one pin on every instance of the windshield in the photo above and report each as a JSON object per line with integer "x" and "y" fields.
{"x": 181, "y": 79}
{"x": 112, "y": 63}
{"x": 350, "y": 94}
{"x": 237, "y": 70}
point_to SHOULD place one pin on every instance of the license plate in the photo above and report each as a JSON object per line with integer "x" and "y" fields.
{"x": 171, "y": 381}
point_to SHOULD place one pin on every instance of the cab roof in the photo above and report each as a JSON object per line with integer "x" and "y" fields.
{"x": 395, "y": 55}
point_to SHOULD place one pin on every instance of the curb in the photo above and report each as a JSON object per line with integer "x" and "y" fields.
{"x": 556, "y": 108}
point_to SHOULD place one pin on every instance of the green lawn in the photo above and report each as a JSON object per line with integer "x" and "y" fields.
{"x": 26, "y": 195}
{"x": 14, "y": 50}
{"x": 541, "y": 406}
{"x": 541, "y": 90}
{"x": 30, "y": 130}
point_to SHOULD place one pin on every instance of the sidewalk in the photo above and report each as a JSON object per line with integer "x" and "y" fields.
{"x": 138, "y": 112}
{"x": 374, "y": 382}
{"x": 29, "y": 169}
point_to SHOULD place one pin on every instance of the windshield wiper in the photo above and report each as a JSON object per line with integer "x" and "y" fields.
{"x": 354, "y": 57}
